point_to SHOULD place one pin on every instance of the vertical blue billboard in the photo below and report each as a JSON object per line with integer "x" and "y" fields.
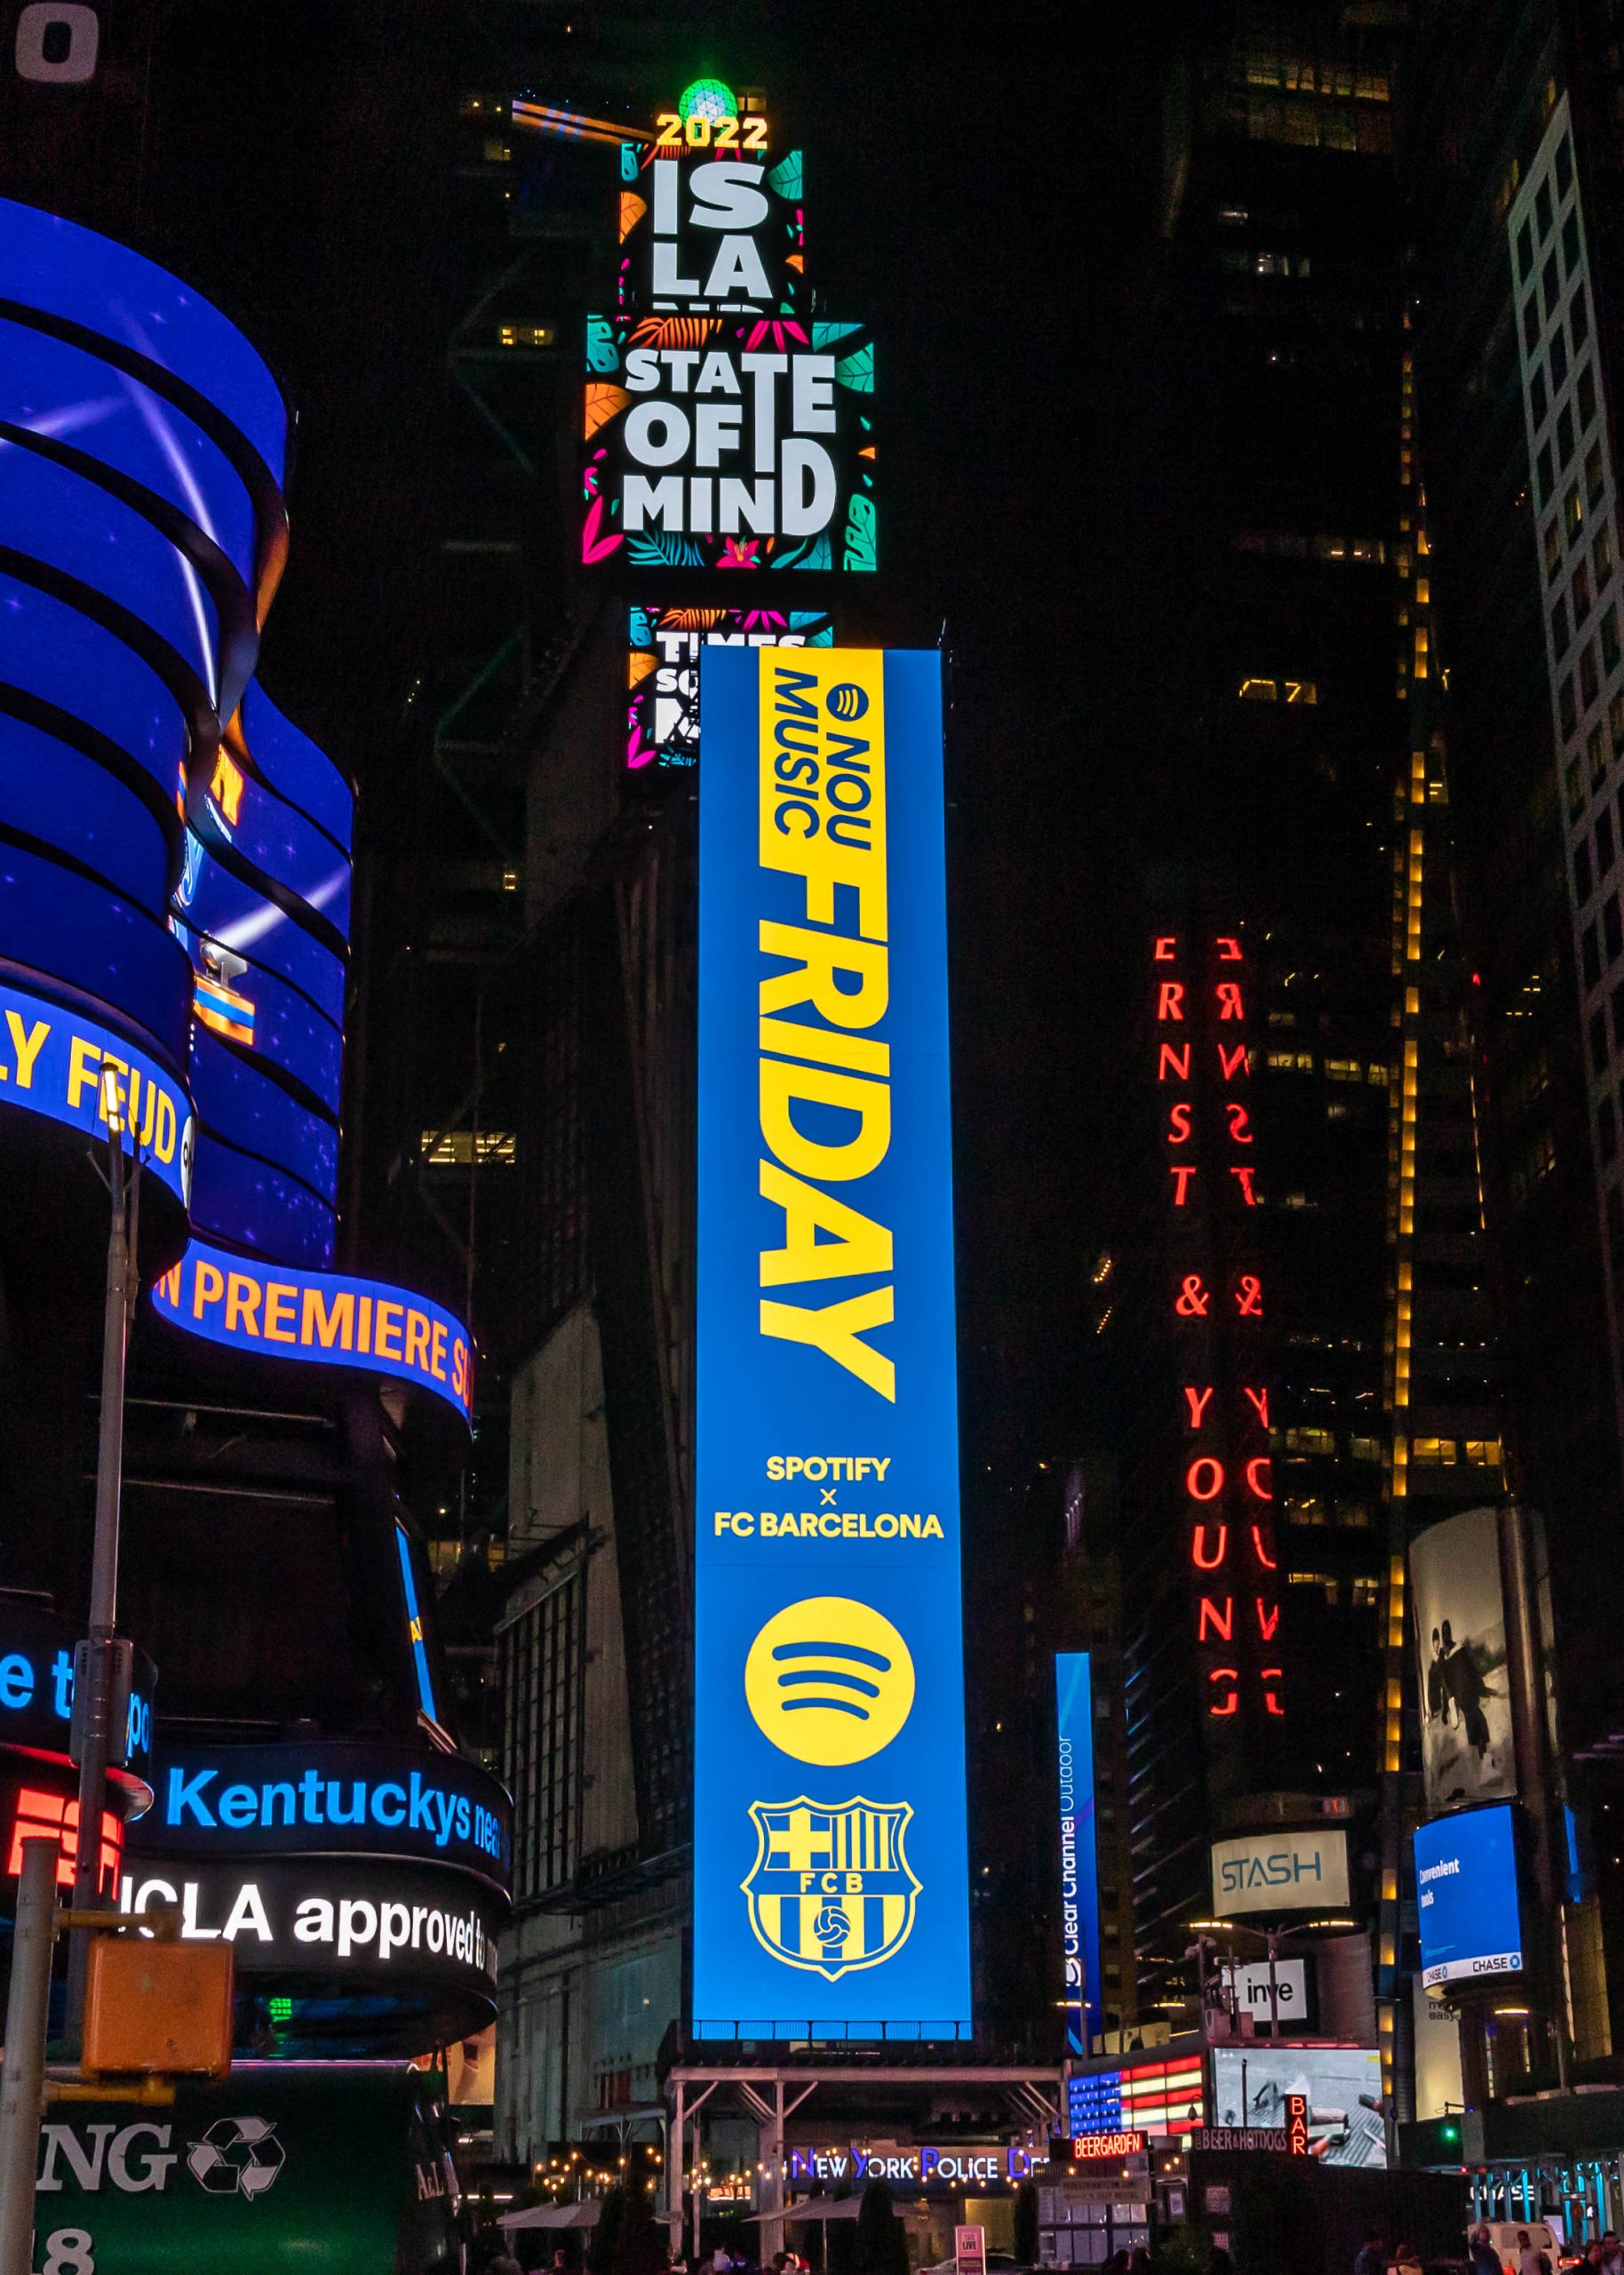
{"x": 830, "y": 1879}
{"x": 1467, "y": 1907}
{"x": 1080, "y": 1891}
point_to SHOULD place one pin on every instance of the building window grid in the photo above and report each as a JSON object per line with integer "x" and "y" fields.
{"x": 1575, "y": 545}
{"x": 544, "y": 1669}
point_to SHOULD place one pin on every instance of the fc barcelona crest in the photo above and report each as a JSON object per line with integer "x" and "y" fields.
{"x": 830, "y": 1889}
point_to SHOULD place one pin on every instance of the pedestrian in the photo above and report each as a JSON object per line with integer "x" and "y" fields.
{"x": 1612, "y": 2252}
{"x": 1139, "y": 2261}
{"x": 1596, "y": 2256}
{"x": 1219, "y": 2262}
{"x": 504, "y": 2263}
{"x": 1370, "y": 2258}
{"x": 1485, "y": 2258}
{"x": 1406, "y": 2260}
{"x": 1529, "y": 2259}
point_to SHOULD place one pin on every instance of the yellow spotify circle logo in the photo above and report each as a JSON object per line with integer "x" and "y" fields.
{"x": 829, "y": 1680}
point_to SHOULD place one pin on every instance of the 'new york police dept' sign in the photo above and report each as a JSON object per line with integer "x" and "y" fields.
{"x": 829, "y": 1883}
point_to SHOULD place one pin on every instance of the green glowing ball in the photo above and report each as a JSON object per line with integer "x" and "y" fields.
{"x": 707, "y": 98}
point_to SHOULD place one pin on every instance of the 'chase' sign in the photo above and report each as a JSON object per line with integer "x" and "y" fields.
{"x": 1280, "y": 1872}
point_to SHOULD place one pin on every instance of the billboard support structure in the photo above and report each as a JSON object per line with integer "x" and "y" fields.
{"x": 94, "y": 1727}
{"x": 1536, "y": 1760}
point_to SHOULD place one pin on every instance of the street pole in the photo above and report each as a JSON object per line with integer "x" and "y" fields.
{"x": 1274, "y": 1988}
{"x": 22, "y": 2082}
{"x": 96, "y": 1711}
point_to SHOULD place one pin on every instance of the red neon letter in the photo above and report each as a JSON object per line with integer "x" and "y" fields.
{"x": 1223, "y": 1623}
{"x": 1231, "y": 1062}
{"x": 1249, "y": 1296}
{"x": 1260, "y": 1477}
{"x": 1240, "y": 1121}
{"x": 1195, "y": 1475}
{"x": 1163, "y": 948}
{"x": 1198, "y": 1401}
{"x": 1180, "y": 1173}
{"x": 1259, "y": 1400}
{"x": 1193, "y": 1302}
{"x": 1173, "y": 1059}
{"x": 1229, "y": 1005}
{"x": 1178, "y": 1122}
{"x": 1229, "y": 951}
{"x": 1269, "y": 1676}
{"x": 1259, "y": 1550}
{"x": 1170, "y": 1000}
{"x": 1268, "y": 1620}
{"x": 1231, "y": 1676}
{"x": 1244, "y": 1171}
{"x": 1198, "y": 1556}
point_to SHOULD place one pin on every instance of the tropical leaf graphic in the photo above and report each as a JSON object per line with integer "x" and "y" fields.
{"x": 639, "y": 665}
{"x": 787, "y": 176}
{"x": 603, "y": 403}
{"x": 655, "y": 549}
{"x": 856, "y": 371}
{"x": 813, "y": 554}
{"x": 861, "y": 534}
{"x": 601, "y": 353}
{"x": 631, "y": 211}
{"x": 594, "y": 545}
{"x": 827, "y": 335}
{"x": 640, "y": 630}
{"x": 675, "y": 331}
{"x": 690, "y": 620}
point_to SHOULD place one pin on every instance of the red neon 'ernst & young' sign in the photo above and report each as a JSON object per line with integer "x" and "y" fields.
{"x": 1202, "y": 1073}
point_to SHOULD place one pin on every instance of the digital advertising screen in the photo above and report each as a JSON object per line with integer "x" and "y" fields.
{"x": 319, "y": 1319}
{"x": 712, "y": 224}
{"x": 55, "y": 270}
{"x": 237, "y": 1101}
{"x": 70, "y": 673}
{"x": 829, "y": 1781}
{"x": 213, "y": 900}
{"x": 1467, "y": 1752}
{"x": 663, "y": 669}
{"x": 1079, "y": 1893}
{"x": 246, "y": 1199}
{"x": 53, "y": 791}
{"x": 50, "y": 387}
{"x": 296, "y": 768}
{"x": 755, "y": 450}
{"x": 1341, "y": 2084}
{"x": 1470, "y": 1921}
{"x": 108, "y": 946}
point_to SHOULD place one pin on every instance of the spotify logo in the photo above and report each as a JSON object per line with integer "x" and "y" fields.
{"x": 847, "y": 700}
{"x": 829, "y": 1680}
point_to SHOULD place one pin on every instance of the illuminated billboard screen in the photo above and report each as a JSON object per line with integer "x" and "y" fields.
{"x": 1079, "y": 1895}
{"x": 663, "y": 668}
{"x": 1154, "y": 2097}
{"x": 1467, "y": 1752}
{"x": 319, "y": 1317}
{"x": 212, "y": 899}
{"x": 1341, "y": 2084}
{"x": 712, "y": 224}
{"x": 754, "y": 450}
{"x": 53, "y": 1064}
{"x": 829, "y": 1819}
{"x": 1471, "y": 1924}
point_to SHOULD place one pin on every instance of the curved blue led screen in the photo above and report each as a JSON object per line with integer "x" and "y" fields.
{"x": 286, "y": 758}
{"x": 67, "y": 928}
{"x": 270, "y": 1019}
{"x": 250, "y": 1109}
{"x": 51, "y": 655}
{"x": 263, "y": 833}
{"x": 249, "y": 924}
{"x": 73, "y": 527}
{"x": 59, "y": 273}
{"x": 53, "y": 792}
{"x": 253, "y": 1206}
{"x": 69, "y": 396}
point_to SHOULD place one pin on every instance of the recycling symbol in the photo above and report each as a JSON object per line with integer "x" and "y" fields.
{"x": 237, "y": 2156}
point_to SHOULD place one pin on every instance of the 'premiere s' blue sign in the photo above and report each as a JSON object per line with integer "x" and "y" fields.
{"x": 829, "y": 1819}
